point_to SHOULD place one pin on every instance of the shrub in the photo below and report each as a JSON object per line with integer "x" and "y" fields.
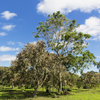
{"x": 53, "y": 95}
{"x": 85, "y": 87}
{"x": 1, "y": 87}
{"x": 79, "y": 83}
{"x": 58, "y": 93}
{"x": 68, "y": 89}
{"x": 27, "y": 86}
{"x": 58, "y": 96}
{"x": 8, "y": 85}
{"x": 61, "y": 92}
{"x": 65, "y": 92}
{"x": 1, "y": 83}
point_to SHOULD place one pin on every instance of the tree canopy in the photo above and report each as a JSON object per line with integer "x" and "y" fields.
{"x": 61, "y": 37}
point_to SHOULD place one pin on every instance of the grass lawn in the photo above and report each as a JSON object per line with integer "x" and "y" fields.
{"x": 16, "y": 94}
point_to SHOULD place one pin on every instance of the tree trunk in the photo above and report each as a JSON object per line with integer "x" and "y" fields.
{"x": 47, "y": 90}
{"x": 65, "y": 85}
{"x": 12, "y": 85}
{"x": 35, "y": 92}
{"x": 60, "y": 86}
{"x": 50, "y": 88}
{"x": 23, "y": 87}
{"x": 36, "y": 89}
{"x": 60, "y": 83}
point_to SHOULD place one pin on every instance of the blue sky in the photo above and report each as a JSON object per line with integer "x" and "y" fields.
{"x": 19, "y": 18}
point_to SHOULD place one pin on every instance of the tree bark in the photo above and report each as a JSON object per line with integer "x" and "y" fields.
{"x": 36, "y": 89}
{"x": 60, "y": 86}
{"x": 23, "y": 87}
{"x": 12, "y": 85}
{"x": 65, "y": 86}
{"x": 60, "y": 83}
{"x": 47, "y": 90}
{"x": 50, "y": 88}
{"x": 35, "y": 92}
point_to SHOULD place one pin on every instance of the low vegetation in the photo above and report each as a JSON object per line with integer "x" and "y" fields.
{"x": 7, "y": 93}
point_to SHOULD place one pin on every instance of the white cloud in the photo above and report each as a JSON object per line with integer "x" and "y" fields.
{"x": 3, "y": 48}
{"x": 33, "y": 42}
{"x": 3, "y": 34}
{"x": 92, "y": 27}
{"x": 66, "y": 6}
{"x": 96, "y": 38}
{"x": 8, "y": 27}
{"x": 98, "y": 56}
{"x": 7, "y": 57}
{"x": 11, "y": 43}
{"x": 17, "y": 52}
{"x": 20, "y": 44}
{"x": 52, "y": 52}
{"x": 7, "y": 15}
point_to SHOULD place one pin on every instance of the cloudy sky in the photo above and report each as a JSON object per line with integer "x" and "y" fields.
{"x": 19, "y": 18}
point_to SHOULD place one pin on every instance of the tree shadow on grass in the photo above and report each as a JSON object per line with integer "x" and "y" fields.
{"x": 42, "y": 94}
{"x": 80, "y": 90}
{"x": 15, "y": 94}
{"x": 18, "y": 94}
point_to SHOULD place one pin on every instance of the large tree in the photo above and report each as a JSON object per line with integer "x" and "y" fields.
{"x": 34, "y": 63}
{"x": 60, "y": 36}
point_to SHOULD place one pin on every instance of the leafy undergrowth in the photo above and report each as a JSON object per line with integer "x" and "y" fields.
{"x": 16, "y": 94}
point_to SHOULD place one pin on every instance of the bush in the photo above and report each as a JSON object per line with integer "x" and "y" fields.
{"x": 58, "y": 93}
{"x": 58, "y": 96}
{"x": 53, "y": 95}
{"x": 79, "y": 83}
{"x": 1, "y": 87}
{"x": 61, "y": 92}
{"x": 27, "y": 86}
{"x": 8, "y": 85}
{"x": 68, "y": 89}
{"x": 65, "y": 92}
{"x": 85, "y": 87}
{"x": 1, "y": 83}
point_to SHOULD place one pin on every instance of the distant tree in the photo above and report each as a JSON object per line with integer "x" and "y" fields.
{"x": 3, "y": 74}
{"x": 8, "y": 76}
{"x": 79, "y": 82}
{"x": 97, "y": 77}
{"x": 73, "y": 79}
{"x": 89, "y": 79}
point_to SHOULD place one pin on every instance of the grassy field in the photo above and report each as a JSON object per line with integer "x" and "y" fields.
{"x": 16, "y": 94}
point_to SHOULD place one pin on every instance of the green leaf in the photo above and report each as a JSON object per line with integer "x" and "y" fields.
{"x": 36, "y": 36}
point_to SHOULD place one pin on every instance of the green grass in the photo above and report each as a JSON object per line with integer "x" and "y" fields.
{"x": 16, "y": 94}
